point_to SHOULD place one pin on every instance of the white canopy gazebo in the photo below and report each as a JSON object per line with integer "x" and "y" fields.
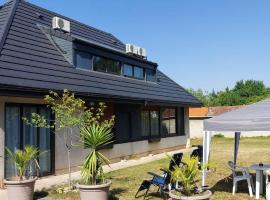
{"x": 254, "y": 117}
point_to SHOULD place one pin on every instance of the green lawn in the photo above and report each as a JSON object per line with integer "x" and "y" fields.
{"x": 127, "y": 181}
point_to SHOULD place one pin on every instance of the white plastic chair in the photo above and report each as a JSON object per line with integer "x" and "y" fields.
{"x": 267, "y": 181}
{"x": 239, "y": 174}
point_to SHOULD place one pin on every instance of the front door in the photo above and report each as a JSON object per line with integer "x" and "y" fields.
{"x": 18, "y": 135}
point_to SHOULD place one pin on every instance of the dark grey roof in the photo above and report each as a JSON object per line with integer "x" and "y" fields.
{"x": 30, "y": 60}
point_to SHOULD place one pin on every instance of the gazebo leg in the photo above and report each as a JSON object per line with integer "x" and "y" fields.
{"x": 236, "y": 145}
{"x": 258, "y": 183}
{"x": 206, "y": 151}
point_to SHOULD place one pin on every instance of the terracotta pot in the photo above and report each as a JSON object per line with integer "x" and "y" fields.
{"x": 23, "y": 190}
{"x": 95, "y": 192}
{"x": 203, "y": 196}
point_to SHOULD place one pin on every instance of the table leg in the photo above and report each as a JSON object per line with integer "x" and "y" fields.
{"x": 258, "y": 181}
{"x": 261, "y": 182}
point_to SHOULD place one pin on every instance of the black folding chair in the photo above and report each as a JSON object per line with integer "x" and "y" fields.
{"x": 162, "y": 181}
{"x": 199, "y": 154}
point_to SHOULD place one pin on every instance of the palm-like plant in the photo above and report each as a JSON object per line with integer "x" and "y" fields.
{"x": 23, "y": 159}
{"x": 187, "y": 175}
{"x": 95, "y": 136}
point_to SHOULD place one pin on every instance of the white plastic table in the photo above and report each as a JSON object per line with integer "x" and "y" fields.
{"x": 259, "y": 177}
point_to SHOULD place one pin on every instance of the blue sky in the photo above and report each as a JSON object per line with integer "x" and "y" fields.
{"x": 200, "y": 44}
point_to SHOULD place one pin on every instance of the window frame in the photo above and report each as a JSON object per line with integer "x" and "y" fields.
{"x": 106, "y": 71}
{"x": 155, "y": 75}
{"x": 143, "y": 70}
{"x": 123, "y": 68}
{"x": 150, "y": 136}
{"x": 133, "y": 71}
{"x": 182, "y": 118}
{"x": 176, "y": 122}
{"x": 75, "y": 59}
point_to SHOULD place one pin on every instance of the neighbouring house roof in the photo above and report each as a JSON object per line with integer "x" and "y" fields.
{"x": 208, "y": 112}
{"x": 29, "y": 60}
{"x": 218, "y": 110}
{"x": 198, "y": 112}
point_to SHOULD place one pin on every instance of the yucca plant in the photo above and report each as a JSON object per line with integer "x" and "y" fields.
{"x": 95, "y": 134}
{"x": 23, "y": 159}
{"x": 95, "y": 137}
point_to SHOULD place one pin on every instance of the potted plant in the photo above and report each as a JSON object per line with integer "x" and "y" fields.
{"x": 187, "y": 176}
{"x": 22, "y": 186}
{"x": 95, "y": 135}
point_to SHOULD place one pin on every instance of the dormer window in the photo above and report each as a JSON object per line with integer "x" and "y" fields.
{"x": 150, "y": 75}
{"x": 83, "y": 60}
{"x": 138, "y": 72}
{"x": 128, "y": 70}
{"x": 133, "y": 71}
{"x": 93, "y": 59}
{"x": 106, "y": 65}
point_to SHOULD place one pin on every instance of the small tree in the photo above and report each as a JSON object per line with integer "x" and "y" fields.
{"x": 70, "y": 112}
{"x": 66, "y": 109}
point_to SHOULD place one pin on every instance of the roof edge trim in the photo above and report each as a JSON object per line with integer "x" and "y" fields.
{"x": 8, "y": 23}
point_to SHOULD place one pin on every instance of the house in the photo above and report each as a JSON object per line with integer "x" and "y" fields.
{"x": 197, "y": 115}
{"x": 37, "y": 56}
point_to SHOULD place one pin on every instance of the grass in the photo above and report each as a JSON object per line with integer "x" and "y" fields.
{"x": 126, "y": 181}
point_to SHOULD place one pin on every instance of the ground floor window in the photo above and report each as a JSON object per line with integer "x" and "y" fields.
{"x": 18, "y": 135}
{"x": 150, "y": 123}
{"x": 169, "y": 121}
{"x": 162, "y": 122}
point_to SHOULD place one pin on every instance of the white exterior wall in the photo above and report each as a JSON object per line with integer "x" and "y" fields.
{"x": 118, "y": 152}
{"x": 196, "y": 128}
{"x": 196, "y": 131}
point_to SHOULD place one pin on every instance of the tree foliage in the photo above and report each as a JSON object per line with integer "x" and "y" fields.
{"x": 244, "y": 92}
{"x": 95, "y": 131}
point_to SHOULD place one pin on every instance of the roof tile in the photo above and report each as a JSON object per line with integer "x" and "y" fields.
{"x": 30, "y": 60}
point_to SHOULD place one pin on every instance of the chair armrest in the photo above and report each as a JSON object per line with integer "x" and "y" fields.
{"x": 153, "y": 174}
{"x": 164, "y": 170}
{"x": 243, "y": 170}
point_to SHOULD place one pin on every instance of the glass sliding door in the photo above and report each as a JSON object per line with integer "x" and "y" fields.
{"x": 29, "y": 132}
{"x": 18, "y": 135}
{"x": 12, "y": 136}
{"x": 45, "y": 144}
